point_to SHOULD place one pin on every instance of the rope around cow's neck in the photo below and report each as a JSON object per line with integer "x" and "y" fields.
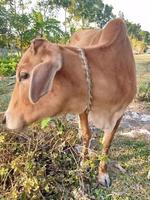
{"x": 88, "y": 78}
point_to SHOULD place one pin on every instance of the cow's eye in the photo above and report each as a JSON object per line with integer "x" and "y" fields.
{"x": 23, "y": 76}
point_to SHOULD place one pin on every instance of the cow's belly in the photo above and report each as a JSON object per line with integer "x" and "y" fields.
{"x": 109, "y": 105}
{"x": 105, "y": 119}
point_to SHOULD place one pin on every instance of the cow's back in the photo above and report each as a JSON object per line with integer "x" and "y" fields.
{"x": 85, "y": 38}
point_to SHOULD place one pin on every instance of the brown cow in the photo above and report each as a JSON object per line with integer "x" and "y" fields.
{"x": 85, "y": 38}
{"x": 53, "y": 79}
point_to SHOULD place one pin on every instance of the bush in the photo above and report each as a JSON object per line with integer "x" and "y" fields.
{"x": 42, "y": 162}
{"x": 8, "y": 65}
{"x": 144, "y": 92}
{"x": 137, "y": 45}
{"x": 38, "y": 165}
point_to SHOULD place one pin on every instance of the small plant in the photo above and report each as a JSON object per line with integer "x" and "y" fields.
{"x": 144, "y": 92}
{"x": 8, "y": 65}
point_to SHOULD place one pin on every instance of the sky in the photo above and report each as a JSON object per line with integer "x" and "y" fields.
{"x": 136, "y": 11}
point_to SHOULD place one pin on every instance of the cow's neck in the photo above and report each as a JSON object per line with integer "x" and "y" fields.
{"x": 74, "y": 74}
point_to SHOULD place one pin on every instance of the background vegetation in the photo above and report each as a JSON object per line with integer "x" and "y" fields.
{"x": 23, "y": 20}
{"x": 43, "y": 162}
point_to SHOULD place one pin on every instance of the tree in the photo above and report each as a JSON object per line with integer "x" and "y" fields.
{"x": 5, "y": 28}
{"x": 121, "y": 14}
{"x": 91, "y": 11}
{"x": 3, "y": 25}
{"x": 3, "y": 20}
{"x": 145, "y": 35}
{"x": 20, "y": 24}
{"x": 46, "y": 8}
{"x": 139, "y": 38}
{"x": 103, "y": 16}
{"x": 134, "y": 29}
{"x": 65, "y": 4}
{"x": 48, "y": 28}
{"x": 137, "y": 45}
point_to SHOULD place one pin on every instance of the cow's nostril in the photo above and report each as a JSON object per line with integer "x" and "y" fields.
{"x": 4, "y": 120}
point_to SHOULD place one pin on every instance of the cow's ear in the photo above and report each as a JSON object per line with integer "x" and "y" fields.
{"x": 42, "y": 78}
{"x": 36, "y": 44}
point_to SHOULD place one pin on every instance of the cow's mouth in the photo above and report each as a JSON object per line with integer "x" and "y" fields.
{"x": 13, "y": 124}
{"x": 16, "y": 129}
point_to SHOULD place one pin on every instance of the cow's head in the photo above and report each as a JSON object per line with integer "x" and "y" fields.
{"x": 37, "y": 91}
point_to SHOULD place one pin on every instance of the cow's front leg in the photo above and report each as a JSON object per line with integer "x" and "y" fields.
{"x": 86, "y": 135}
{"x": 103, "y": 176}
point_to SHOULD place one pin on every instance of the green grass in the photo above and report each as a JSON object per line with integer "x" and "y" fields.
{"x": 143, "y": 76}
{"x": 134, "y": 156}
{"x": 5, "y": 92}
{"x": 143, "y": 67}
{"x": 8, "y": 65}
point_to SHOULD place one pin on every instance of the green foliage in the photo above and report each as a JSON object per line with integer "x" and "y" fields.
{"x": 5, "y": 93}
{"x": 3, "y": 19}
{"x": 8, "y": 65}
{"x": 143, "y": 77}
{"x": 145, "y": 35}
{"x": 134, "y": 29}
{"x": 144, "y": 92}
{"x": 139, "y": 38}
{"x": 91, "y": 11}
{"x": 48, "y": 28}
{"x": 45, "y": 123}
{"x": 36, "y": 166}
{"x": 137, "y": 45}
{"x": 104, "y": 158}
{"x": 19, "y": 25}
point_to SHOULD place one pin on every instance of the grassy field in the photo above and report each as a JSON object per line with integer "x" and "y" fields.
{"x": 143, "y": 76}
{"x": 143, "y": 67}
{"x": 43, "y": 163}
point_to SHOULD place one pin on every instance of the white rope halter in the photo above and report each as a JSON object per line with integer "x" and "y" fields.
{"x": 88, "y": 77}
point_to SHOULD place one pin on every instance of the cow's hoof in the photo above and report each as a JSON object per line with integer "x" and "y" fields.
{"x": 104, "y": 179}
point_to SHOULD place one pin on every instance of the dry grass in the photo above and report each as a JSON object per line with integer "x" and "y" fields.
{"x": 142, "y": 58}
{"x": 44, "y": 164}
{"x": 143, "y": 67}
